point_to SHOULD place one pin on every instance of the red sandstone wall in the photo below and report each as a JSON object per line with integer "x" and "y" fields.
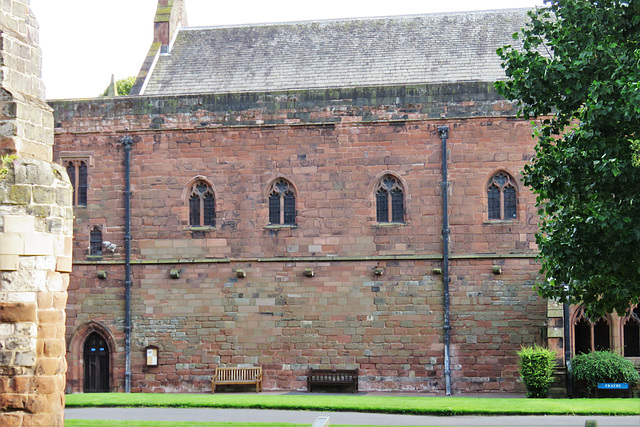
{"x": 389, "y": 326}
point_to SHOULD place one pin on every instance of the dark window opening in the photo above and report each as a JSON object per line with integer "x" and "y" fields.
{"x": 501, "y": 197}
{"x": 95, "y": 241}
{"x": 631, "y": 334}
{"x": 77, "y": 171}
{"x": 282, "y": 204}
{"x": 274, "y": 208}
{"x": 202, "y": 206}
{"x": 582, "y": 336}
{"x": 289, "y": 208}
{"x": 389, "y": 200}
{"x": 601, "y": 337}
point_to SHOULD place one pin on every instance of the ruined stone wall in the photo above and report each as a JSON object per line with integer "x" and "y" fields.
{"x": 35, "y": 234}
{"x": 333, "y": 150}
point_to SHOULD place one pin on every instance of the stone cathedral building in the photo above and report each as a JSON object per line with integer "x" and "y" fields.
{"x": 335, "y": 194}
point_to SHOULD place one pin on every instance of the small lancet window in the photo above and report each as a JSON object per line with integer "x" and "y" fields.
{"x": 95, "y": 241}
{"x": 282, "y": 204}
{"x": 389, "y": 200}
{"x": 77, "y": 171}
{"x": 202, "y": 212}
{"x": 501, "y": 197}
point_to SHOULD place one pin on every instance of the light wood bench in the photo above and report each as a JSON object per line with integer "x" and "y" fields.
{"x": 237, "y": 376}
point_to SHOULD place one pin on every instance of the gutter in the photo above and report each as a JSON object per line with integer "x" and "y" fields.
{"x": 444, "y": 134}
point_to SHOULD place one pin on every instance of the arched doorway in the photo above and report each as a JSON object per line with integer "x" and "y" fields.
{"x": 96, "y": 364}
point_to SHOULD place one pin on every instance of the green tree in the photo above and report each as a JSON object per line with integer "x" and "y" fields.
{"x": 123, "y": 86}
{"x": 576, "y": 68}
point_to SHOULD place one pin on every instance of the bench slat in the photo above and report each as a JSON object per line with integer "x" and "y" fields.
{"x": 236, "y": 375}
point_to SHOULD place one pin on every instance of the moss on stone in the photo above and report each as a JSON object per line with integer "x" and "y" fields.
{"x": 18, "y": 195}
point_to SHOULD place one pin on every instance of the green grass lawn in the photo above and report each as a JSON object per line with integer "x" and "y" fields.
{"x": 98, "y": 423}
{"x": 374, "y": 404}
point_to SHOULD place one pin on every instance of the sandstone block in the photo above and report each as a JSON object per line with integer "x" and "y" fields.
{"x": 38, "y": 244}
{"x": 9, "y": 262}
{"x": 64, "y": 264}
{"x": 18, "y": 223}
{"x": 11, "y": 243}
{"x": 17, "y": 312}
{"x": 11, "y": 419}
{"x": 26, "y": 358}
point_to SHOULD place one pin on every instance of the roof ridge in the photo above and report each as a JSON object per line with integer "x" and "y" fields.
{"x": 354, "y": 19}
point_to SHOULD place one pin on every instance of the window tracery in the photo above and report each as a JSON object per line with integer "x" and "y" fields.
{"x": 389, "y": 200}
{"x": 501, "y": 197}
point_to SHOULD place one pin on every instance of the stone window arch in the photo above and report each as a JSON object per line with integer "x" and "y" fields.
{"x": 282, "y": 203}
{"x": 390, "y": 197}
{"x": 95, "y": 241}
{"x": 589, "y": 335}
{"x": 502, "y": 201}
{"x": 631, "y": 333}
{"x": 78, "y": 175}
{"x": 202, "y": 205}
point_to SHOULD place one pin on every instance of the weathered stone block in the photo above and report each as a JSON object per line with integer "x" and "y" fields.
{"x": 9, "y": 262}
{"x": 17, "y": 312}
{"x": 11, "y": 243}
{"x": 27, "y": 358}
{"x": 18, "y": 223}
{"x": 38, "y": 244}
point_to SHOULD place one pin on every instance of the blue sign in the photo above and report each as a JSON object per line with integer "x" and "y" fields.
{"x": 613, "y": 386}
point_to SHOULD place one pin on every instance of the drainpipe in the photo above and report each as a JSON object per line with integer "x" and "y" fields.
{"x": 127, "y": 141}
{"x": 444, "y": 134}
{"x": 567, "y": 347}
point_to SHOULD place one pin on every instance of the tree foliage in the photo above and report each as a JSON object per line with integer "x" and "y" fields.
{"x": 576, "y": 68}
{"x": 123, "y": 86}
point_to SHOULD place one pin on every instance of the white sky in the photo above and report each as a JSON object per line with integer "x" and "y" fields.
{"x": 84, "y": 42}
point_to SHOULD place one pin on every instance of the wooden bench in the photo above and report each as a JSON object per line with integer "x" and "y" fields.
{"x": 347, "y": 378}
{"x": 237, "y": 376}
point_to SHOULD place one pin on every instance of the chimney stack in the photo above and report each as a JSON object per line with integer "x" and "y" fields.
{"x": 170, "y": 16}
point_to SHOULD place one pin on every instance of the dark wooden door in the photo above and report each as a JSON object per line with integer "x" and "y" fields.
{"x": 96, "y": 364}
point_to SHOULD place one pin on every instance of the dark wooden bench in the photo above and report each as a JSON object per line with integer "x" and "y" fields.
{"x": 342, "y": 378}
{"x": 235, "y": 376}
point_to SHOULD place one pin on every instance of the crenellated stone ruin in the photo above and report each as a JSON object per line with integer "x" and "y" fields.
{"x": 36, "y": 225}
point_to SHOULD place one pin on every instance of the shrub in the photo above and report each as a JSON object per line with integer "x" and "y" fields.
{"x": 536, "y": 369}
{"x": 603, "y": 367}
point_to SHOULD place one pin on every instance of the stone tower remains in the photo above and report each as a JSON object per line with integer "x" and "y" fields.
{"x": 36, "y": 222}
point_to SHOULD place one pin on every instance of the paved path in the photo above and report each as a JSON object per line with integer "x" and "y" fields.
{"x": 354, "y": 418}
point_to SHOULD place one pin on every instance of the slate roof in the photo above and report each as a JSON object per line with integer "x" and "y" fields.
{"x": 389, "y": 51}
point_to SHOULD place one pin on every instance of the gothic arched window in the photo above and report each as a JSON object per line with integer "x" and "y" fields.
{"x": 589, "y": 335}
{"x": 202, "y": 207}
{"x": 501, "y": 197}
{"x": 77, "y": 171}
{"x": 282, "y": 203}
{"x": 389, "y": 200}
